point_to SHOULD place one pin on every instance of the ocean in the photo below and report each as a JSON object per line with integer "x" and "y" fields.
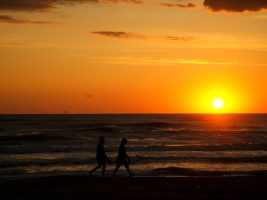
{"x": 158, "y": 144}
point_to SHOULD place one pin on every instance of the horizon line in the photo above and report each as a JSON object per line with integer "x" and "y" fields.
{"x": 245, "y": 113}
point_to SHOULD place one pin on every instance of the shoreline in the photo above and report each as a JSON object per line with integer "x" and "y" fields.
{"x": 174, "y": 172}
{"x": 85, "y": 187}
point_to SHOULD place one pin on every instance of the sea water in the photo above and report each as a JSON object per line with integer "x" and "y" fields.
{"x": 158, "y": 144}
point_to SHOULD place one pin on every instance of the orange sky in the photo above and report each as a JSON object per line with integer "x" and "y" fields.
{"x": 131, "y": 56}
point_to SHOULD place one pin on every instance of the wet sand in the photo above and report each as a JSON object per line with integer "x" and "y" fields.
{"x": 85, "y": 187}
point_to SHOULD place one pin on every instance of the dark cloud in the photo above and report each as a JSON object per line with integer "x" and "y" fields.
{"x": 178, "y": 5}
{"x": 186, "y": 39}
{"x": 235, "y": 5}
{"x": 41, "y": 5}
{"x": 12, "y": 20}
{"x": 35, "y": 5}
{"x": 119, "y": 34}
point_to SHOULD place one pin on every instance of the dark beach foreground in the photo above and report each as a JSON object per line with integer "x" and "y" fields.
{"x": 84, "y": 187}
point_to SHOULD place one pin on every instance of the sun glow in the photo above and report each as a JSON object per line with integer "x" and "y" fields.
{"x": 218, "y": 98}
{"x": 218, "y": 104}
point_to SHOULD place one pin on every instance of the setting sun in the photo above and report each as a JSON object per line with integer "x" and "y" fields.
{"x": 218, "y": 104}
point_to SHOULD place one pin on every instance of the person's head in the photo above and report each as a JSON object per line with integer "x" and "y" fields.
{"x": 123, "y": 141}
{"x": 101, "y": 140}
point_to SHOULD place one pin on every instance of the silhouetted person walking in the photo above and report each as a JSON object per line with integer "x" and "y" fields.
{"x": 123, "y": 158}
{"x": 101, "y": 157}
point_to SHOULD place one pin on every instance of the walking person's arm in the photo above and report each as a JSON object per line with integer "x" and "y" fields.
{"x": 107, "y": 158}
{"x": 127, "y": 157}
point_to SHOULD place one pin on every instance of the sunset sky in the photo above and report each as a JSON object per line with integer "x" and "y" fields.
{"x": 133, "y": 56}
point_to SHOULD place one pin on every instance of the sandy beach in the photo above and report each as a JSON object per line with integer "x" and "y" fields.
{"x": 84, "y": 187}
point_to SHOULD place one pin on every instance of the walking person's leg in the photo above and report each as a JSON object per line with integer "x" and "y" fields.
{"x": 116, "y": 169}
{"x": 96, "y": 168}
{"x": 103, "y": 169}
{"x": 126, "y": 165}
{"x": 129, "y": 171}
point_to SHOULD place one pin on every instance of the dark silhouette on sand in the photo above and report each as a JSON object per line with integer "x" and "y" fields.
{"x": 123, "y": 158}
{"x": 101, "y": 157}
